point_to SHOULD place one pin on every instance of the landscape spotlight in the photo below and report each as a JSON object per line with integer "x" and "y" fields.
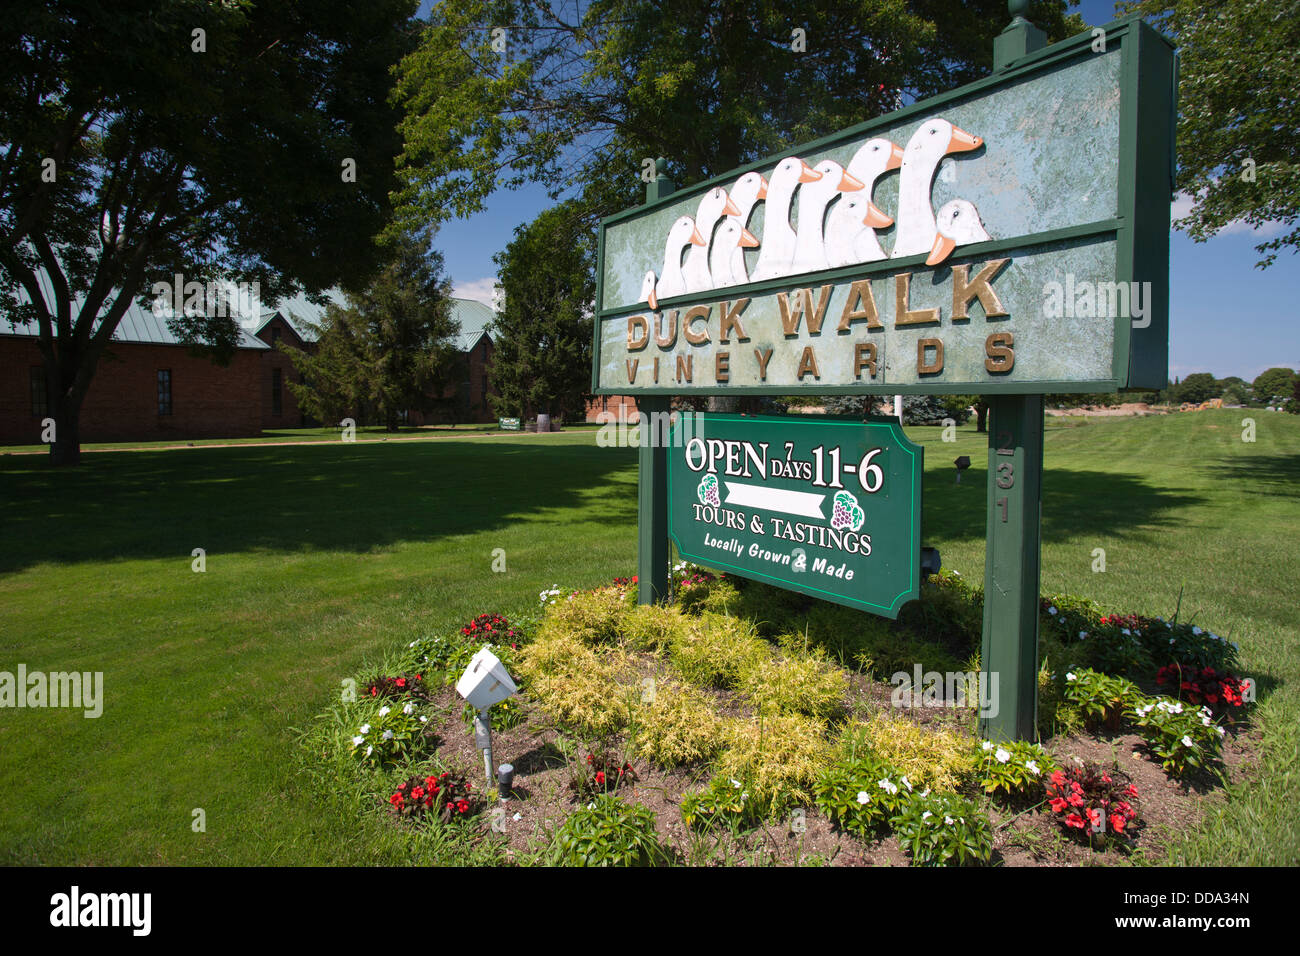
{"x": 962, "y": 462}
{"x": 930, "y": 562}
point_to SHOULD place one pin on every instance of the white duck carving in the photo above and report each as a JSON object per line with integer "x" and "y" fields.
{"x": 778, "y": 238}
{"x": 958, "y": 224}
{"x": 671, "y": 280}
{"x": 851, "y": 225}
{"x": 935, "y": 139}
{"x": 715, "y": 204}
{"x": 727, "y": 253}
{"x": 809, "y": 244}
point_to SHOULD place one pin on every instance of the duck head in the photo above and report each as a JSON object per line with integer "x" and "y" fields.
{"x": 958, "y": 223}
{"x": 937, "y": 138}
{"x": 874, "y": 158}
{"x": 648, "y": 290}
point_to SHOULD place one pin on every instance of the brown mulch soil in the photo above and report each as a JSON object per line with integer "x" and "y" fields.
{"x": 1023, "y": 835}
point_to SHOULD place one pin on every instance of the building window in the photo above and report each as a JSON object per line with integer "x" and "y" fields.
{"x": 277, "y": 402}
{"x": 164, "y": 391}
{"x": 40, "y": 400}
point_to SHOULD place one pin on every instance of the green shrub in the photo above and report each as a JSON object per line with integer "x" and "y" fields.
{"x": 715, "y": 650}
{"x": 1100, "y": 698}
{"x": 1188, "y": 646}
{"x": 930, "y": 759}
{"x": 860, "y": 794}
{"x": 941, "y": 829}
{"x": 609, "y": 832}
{"x": 388, "y": 731}
{"x": 1014, "y": 768}
{"x": 798, "y": 684}
{"x": 675, "y": 727}
{"x": 723, "y": 804}
{"x": 1185, "y": 738}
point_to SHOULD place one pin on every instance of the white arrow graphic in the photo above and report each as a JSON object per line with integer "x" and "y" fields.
{"x": 803, "y": 503}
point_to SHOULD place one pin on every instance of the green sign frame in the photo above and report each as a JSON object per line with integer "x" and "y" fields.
{"x": 1126, "y": 238}
{"x": 871, "y": 475}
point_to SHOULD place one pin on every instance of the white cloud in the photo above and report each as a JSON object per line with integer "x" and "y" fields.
{"x": 479, "y": 290}
{"x": 1184, "y": 203}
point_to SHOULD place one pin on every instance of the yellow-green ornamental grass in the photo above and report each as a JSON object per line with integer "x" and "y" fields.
{"x": 802, "y": 685}
{"x": 576, "y": 685}
{"x": 929, "y": 757}
{"x": 716, "y": 650}
{"x": 676, "y": 726}
{"x": 777, "y": 756}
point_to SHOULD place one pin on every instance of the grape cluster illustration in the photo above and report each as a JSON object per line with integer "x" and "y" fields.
{"x": 708, "y": 491}
{"x": 847, "y": 513}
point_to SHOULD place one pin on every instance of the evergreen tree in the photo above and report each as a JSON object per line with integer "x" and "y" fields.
{"x": 542, "y": 357}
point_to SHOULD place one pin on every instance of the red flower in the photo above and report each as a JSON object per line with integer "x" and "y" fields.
{"x": 600, "y": 776}
{"x": 401, "y": 682}
{"x": 417, "y": 793}
{"x": 1117, "y": 822}
{"x": 1058, "y": 805}
{"x": 1074, "y": 820}
{"x": 463, "y": 807}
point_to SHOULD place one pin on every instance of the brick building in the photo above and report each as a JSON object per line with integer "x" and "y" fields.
{"x": 149, "y": 387}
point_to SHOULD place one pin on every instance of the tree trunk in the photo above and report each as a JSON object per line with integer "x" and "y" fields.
{"x": 981, "y": 416}
{"x": 66, "y": 412}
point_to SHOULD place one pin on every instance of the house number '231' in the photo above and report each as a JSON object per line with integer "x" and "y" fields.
{"x": 1006, "y": 471}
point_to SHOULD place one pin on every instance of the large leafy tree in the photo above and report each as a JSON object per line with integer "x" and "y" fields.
{"x": 579, "y": 95}
{"x": 245, "y": 139}
{"x": 542, "y": 356}
{"x": 1239, "y": 115}
{"x": 1274, "y": 385}
{"x": 390, "y": 350}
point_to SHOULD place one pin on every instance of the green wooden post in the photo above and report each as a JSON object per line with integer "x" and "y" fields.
{"x": 652, "y": 477}
{"x": 1013, "y": 532}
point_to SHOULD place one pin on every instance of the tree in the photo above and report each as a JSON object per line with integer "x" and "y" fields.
{"x": 1238, "y": 152}
{"x": 542, "y": 335}
{"x": 391, "y": 350}
{"x": 147, "y": 138}
{"x": 580, "y": 100}
{"x": 1198, "y": 387}
{"x": 1274, "y": 386}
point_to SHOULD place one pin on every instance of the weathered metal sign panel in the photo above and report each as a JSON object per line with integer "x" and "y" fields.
{"x": 827, "y": 507}
{"x": 1009, "y": 236}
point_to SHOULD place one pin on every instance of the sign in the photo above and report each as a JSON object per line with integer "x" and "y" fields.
{"x": 1010, "y": 236}
{"x": 509, "y": 424}
{"x": 827, "y": 507}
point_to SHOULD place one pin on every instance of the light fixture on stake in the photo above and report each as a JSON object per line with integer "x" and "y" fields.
{"x": 484, "y": 683}
{"x": 962, "y": 462}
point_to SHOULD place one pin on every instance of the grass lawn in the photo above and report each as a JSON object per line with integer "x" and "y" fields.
{"x": 321, "y": 555}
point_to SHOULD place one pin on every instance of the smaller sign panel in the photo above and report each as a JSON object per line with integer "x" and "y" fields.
{"x": 827, "y": 507}
{"x": 509, "y": 424}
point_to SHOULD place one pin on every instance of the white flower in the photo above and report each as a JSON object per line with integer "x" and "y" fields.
{"x": 1220, "y": 730}
{"x": 383, "y": 711}
{"x": 864, "y": 797}
{"x": 1126, "y": 631}
{"x": 423, "y": 719}
{"x": 1083, "y": 635}
{"x": 986, "y": 746}
{"x": 925, "y": 816}
{"x": 358, "y": 741}
{"x": 365, "y": 729}
{"x": 408, "y": 708}
{"x": 1070, "y": 676}
{"x": 888, "y": 787}
{"x": 735, "y": 783}
{"x": 907, "y": 783}
{"x": 1051, "y": 611}
{"x": 1032, "y": 767}
{"x": 388, "y": 735}
{"x": 1002, "y": 755}
{"x": 369, "y": 751}
{"x": 1197, "y": 631}
{"x": 1188, "y": 742}
{"x": 947, "y": 819}
{"x": 517, "y": 816}
{"x": 925, "y": 792}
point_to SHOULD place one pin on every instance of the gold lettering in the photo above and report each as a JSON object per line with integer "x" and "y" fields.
{"x": 731, "y": 320}
{"x": 861, "y": 305}
{"x": 764, "y": 356}
{"x": 722, "y": 366}
{"x": 808, "y": 364}
{"x": 964, "y": 289}
{"x": 685, "y": 363}
{"x": 637, "y": 323}
{"x": 903, "y": 314}
{"x": 864, "y": 356}
{"x": 659, "y": 326}
{"x": 929, "y": 368}
{"x": 693, "y": 313}
{"x": 631, "y": 369}
{"x": 999, "y": 347}
{"x": 791, "y": 316}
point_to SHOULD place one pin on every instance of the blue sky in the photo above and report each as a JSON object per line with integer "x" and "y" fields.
{"x": 1228, "y": 317}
